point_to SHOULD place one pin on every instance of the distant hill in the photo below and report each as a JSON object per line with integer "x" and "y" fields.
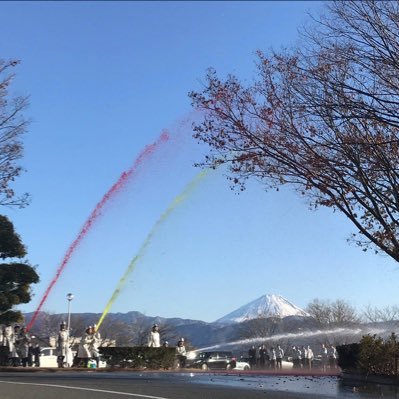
{"x": 123, "y": 326}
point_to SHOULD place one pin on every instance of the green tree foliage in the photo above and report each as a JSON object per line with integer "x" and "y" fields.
{"x": 12, "y": 126}
{"x": 372, "y": 355}
{"x": 15, "y": 277}
{"x": 10, "y": 242}
{"x": 140, "y": 357}
{"x": 322, "y": 118}
{"x": 377, "y": 356}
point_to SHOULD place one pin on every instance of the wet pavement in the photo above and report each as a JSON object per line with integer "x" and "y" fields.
{"x": 312, "y": 386}
{"x": 305, "y": 384}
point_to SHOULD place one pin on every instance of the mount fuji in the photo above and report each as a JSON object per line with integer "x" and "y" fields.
{"x": 262, "y": 308}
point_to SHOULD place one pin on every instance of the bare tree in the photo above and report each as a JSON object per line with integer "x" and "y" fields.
{"x": 374, "y": 314}
{"x": 258, "y": 328}
{"x": 170, "y": 334}
{"x": 338, "y": 313}
{"x": 12, "y": 126}
{"x": 115, "y": 331}
{"x": 48, "y": 326}
{"x": 343, "y": 313}
{"x": 140, "y": 331}
{"x": 322, "y": 118}
{"x": 320, "y": 311}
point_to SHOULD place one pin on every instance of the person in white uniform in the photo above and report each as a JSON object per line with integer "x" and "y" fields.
{"x": 154, "y": 339}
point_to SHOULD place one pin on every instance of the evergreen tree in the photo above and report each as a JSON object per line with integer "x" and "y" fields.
{"x": 15, "y": 277}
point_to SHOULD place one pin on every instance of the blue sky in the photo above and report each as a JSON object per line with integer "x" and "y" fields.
{"x": 104, "y": 79}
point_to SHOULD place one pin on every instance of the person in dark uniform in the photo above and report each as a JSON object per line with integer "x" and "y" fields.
{"x": 252, "y": 356}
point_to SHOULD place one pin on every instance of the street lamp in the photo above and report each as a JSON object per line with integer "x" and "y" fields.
{"x": 69, "y": 298}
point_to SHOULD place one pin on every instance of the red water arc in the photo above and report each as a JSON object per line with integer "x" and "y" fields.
{"x": 124, "y": 178}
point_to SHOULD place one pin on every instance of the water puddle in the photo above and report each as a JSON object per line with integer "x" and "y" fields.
{"x": 318, "y": 386}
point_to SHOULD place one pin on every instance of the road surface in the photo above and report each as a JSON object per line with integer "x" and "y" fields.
{"x": 161, "y": 385}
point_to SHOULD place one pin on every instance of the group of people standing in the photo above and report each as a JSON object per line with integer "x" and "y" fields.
{"x": 88, "y": 349}
{"x": 17, "y": 345}
{"x": 265, "y": 358}
{"x": 18, "y": 349}
{"x": 329, "y": 356}
{"x": 301, "y": 356}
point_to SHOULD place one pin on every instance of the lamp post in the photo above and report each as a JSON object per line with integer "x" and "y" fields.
{"x": 69, "y": 299}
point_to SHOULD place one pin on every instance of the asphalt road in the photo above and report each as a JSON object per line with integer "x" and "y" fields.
{"x": 87, "y": 385}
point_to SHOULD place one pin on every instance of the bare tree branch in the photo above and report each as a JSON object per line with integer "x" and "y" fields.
{"x": 322, "y": 118}
{"x": 12, "y": 127}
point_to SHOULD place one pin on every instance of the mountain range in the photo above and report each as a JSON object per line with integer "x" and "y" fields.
{"x": 269, "y": 318}
{"x": 257, "y": 317}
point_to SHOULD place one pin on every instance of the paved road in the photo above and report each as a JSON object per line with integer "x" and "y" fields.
{"x": 88, "y": 385}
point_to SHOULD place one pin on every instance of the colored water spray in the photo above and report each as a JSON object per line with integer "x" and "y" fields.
{"x": 186, "y": 192}
{"x": 120, "y": 184}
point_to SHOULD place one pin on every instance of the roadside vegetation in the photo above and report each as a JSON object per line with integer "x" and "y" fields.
{"x": 16, "y": 274}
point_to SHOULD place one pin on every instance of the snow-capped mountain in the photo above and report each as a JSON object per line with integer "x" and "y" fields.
{"x": 264, "y": 307}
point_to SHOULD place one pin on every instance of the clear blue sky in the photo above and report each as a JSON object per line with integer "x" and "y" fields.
{"x": 104, "y": 79}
